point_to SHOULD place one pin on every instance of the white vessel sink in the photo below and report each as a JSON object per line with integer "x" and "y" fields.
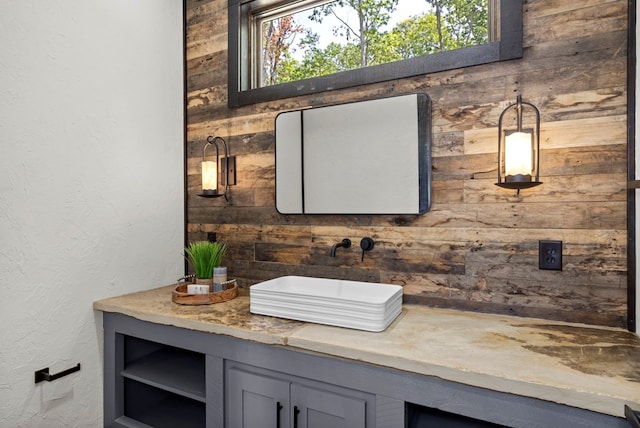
{"x": 351, "y": 304}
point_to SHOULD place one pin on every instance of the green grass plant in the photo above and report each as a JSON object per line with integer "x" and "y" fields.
{"x": 204, "y": 256}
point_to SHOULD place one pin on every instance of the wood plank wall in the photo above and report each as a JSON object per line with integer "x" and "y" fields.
{"x": 477, "y": 249}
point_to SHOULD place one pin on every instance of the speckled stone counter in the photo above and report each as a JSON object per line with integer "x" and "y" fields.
{"x": 584, "y": 366}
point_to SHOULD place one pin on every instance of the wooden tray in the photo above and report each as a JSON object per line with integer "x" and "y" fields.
{"x": 180, "y": 295}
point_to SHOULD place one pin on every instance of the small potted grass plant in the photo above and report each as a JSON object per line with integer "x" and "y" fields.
{"x": 203, "y": 256}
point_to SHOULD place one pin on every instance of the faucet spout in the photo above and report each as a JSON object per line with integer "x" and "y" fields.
{"x": 346, "y": 243}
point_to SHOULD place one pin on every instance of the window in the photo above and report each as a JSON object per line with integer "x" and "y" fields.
{"x": 285, "y": 48}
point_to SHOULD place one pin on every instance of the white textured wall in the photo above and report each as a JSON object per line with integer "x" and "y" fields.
{"x": 91, "y": 187}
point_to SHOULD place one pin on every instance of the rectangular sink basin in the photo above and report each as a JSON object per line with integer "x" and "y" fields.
{"x": 351, "y": 304}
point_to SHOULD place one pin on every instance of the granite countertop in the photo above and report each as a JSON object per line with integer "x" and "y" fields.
{"x": 589, "y": 367}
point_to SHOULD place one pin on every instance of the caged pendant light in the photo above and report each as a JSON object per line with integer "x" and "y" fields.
{"x": 519, "y": 150}
{"x": 219, "y": 166}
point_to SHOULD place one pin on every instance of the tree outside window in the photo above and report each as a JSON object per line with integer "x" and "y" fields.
{"x": 358, "y": 33}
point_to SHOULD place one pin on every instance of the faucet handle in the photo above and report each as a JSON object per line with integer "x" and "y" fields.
{"x": 366, "y": 244}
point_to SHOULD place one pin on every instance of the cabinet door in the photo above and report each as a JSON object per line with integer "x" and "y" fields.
{"x": 315, "y": 408}
{"x": 256, "y": 401}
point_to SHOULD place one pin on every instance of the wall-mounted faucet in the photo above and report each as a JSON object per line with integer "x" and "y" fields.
{"x": 346, "y": 243}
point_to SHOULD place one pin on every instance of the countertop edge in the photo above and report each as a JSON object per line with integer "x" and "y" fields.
{"x": 206, "y": 327}
{"x": 597, "y": 403}
{"x": 588, "y": 400}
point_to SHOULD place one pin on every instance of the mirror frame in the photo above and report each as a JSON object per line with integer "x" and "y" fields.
{"x": 373, "y": 159}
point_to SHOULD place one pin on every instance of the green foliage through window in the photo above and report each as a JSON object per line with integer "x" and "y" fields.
{"x": 288, "y": 48}
{"x": 314, "y": 39}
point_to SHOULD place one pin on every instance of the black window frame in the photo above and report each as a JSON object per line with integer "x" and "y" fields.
{"x": 507, "y": 47}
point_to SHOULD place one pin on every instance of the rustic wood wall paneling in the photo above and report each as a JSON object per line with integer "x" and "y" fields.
{"x": 477, "y": 249}
{"x": 632, "y": 253}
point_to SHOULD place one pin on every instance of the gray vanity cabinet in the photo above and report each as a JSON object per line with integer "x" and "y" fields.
{"x": 167, "y": 377}
{"x": 263, "y": 399}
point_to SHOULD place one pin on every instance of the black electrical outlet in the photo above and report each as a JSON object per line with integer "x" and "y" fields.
{"x": 550, "y": 254}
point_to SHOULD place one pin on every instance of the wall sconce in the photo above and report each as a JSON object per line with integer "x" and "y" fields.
{"x": 519, "y": 151}
{"x": 224, "y": 167}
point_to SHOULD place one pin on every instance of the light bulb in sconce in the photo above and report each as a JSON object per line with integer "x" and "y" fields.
{"x": 518, "y": 162}
{"x": 209, "y": 176}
